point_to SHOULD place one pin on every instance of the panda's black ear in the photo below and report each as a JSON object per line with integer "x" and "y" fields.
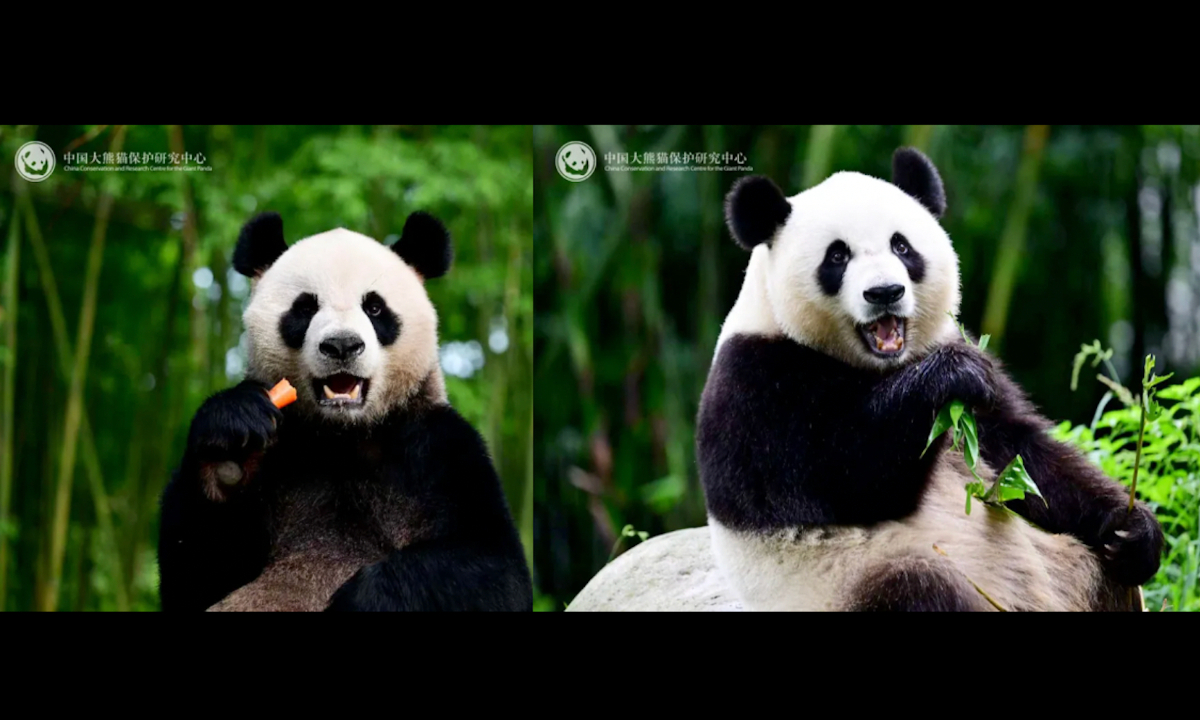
{"x": 754, "y": 209}
{"x": 425, "y": 244}
{"x": 913, "y": 173}
{"x": 259, "y": 244}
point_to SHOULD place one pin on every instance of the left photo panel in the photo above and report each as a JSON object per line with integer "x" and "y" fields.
{"x": 266, "y": 368}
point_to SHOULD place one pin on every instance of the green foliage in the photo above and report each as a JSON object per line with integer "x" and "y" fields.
{"x": 1012, "y": 483}
{"x": 627, "y": 532}
{"x": 1156, "y": 439}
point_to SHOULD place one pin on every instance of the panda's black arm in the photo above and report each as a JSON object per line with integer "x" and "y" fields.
{"x": 1080, "y": 499}
{"x": 212, "y": 536}
{"x": 473, "y": 558}
{"x": 788, "y": 436}
{"x": 206, "y": 549}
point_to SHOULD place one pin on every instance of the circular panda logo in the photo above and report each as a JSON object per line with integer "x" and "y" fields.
{"x": 35, "y": 161}
{"x": 575, "y": 161}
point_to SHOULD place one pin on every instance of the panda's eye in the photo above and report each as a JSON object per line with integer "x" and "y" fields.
{"x": 838, "y": 253}
{"x": 306, "y": 304}
{"x": 373, "y": 305}
{"x": 899, "y": 244}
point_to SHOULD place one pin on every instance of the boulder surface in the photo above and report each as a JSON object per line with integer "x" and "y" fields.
{"x": 675, "y": 572}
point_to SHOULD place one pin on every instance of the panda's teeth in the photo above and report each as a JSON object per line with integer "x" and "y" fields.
{"x": 900, "y": 341}
{"x": 878, "y": 343}
{"x": 328, "y": 393}
{"x": 354, "y": 392}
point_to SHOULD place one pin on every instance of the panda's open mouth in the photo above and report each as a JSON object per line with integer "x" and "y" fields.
{"x": 341, "y": 390}
{"x": 884, "y": 336}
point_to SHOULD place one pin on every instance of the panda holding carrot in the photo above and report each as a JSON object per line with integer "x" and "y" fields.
{"x": 337, "y": 476}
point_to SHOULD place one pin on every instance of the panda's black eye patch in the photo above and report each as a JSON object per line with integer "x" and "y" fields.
{"x": 833, "y": 267}
{"x": 909, "y": 256}
{"x": 385, "y": 322}
{"x": 293, "y": 326}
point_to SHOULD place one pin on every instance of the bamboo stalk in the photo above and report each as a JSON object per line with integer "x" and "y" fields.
{"x": 818, "y": 155}
{"x": 1012, "y": 240}
{"x": 920, "y": 137}
{"x": 164, "y": 418}
{"x": 66, "y": 469}
{"x": 64, "y": 352}
{"x": 11, "y": 277}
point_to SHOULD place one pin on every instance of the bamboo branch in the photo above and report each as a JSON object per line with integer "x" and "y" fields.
{"x": 11, "y": 277}
{"x": 66, "y": 469}
{"x": 920, "y": 137}
{"x": 1012, "y": 240}
{"x": 163, "y": 417}
{"x": 819, "y": 154}
{"x": 64, "y": 352}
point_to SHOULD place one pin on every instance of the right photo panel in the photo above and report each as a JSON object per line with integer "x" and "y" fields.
{"x": 866, "y": 367}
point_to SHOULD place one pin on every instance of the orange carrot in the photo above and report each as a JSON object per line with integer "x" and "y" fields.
{"x": 283, "y": 394}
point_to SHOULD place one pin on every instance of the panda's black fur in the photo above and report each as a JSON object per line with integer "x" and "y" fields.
{"x": 789, "y": 437}
{"x": 340, "y": 494}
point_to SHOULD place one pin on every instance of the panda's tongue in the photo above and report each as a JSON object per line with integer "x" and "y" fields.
{"x": 341, "y": 384}
{"x": 887, "y": 337}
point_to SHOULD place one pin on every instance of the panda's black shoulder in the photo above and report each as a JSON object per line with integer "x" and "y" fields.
{"x": 439, "y": 446}
{"x": 449, "y": 431}
{"x": 752, "y": 362}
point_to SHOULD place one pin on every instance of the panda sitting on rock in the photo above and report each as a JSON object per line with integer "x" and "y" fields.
{"x": 829, "y": 371}
{"x": 370, "y": 492}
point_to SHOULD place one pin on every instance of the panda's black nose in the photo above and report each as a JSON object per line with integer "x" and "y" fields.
{"x": 342, "y": 347}
{"x": 884, "y": 294}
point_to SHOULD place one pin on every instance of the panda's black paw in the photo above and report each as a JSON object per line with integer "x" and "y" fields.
{"x": 228, "y": 432}
{"x": 960, "y": 372}
{"x": 1131, "y": 545}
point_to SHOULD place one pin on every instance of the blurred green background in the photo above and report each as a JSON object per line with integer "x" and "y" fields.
{"x": 1066, "y": 234}
{"x": 120, "y": 314}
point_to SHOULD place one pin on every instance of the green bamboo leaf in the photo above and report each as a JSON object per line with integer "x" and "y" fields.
{"x": 1014, "y": 482}
{"x": 1180, "y": 391}
{"x": 971, "y": 441}
{"x": 940, "y": 425}
{"x": 1153, "y": 409}
{"x": 983, "y": 342}
{"x": 956, "y": 411}
{"x": 1157, "y": 379}
{"x": 975, "y": 489}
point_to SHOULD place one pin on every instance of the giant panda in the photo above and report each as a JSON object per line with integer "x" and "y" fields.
{"x": 369, "y": 492}
{"x": 829, "y": 370}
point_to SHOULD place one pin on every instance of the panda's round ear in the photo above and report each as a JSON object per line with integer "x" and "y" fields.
{"x": 913, "y": 173}
{"x": 755, "y": 208}
{"x": 259, "y": 244}
{"x": 425, "y": 245}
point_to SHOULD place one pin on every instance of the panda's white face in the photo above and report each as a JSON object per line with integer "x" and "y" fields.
{"x": 348, "y": 323}
{"x": 859, "y": 270}
{"x": 862, "y": 271}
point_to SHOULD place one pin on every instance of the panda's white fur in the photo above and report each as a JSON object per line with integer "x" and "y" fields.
{"x": 340, "y": 267}
{"x": 1020, "y": 566}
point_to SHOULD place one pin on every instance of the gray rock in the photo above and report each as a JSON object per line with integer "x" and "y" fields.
{"x": 671, "y": 572}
